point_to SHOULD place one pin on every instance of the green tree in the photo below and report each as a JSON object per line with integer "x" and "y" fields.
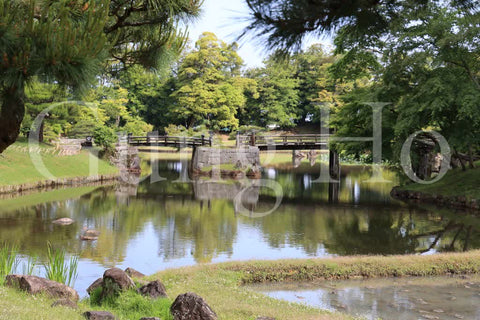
{"x": 60, "y": 40}
{"x": 427, "y": 66}
{"x": 69, "y": 41}
{"x": 205, "y": 92}
{"x": 149, "y": 96}
{"x": 278, "y": 97}
{"x": 285, "y": 23}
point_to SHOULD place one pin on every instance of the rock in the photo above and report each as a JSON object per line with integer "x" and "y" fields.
{"x": 91, "y": 233}
{"x": 36, "y": 285}
{"x": 96, "y": 284}
{"x": 99, "y": 315}
{"x": 189, "y": 306}
{"x": 154, "y": 289}
{"x": 132, "y": 273}
{"x": 115, "y": 280}
{"x": 87, "y": 238}
{"x": 64, "y": 221}
{"x": 65, "y": 303}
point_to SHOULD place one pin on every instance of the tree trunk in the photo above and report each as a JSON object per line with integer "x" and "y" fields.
{"x": 460, "y": 159}
{"x": 470, "y": 157}
{"x": 11, "y": 116}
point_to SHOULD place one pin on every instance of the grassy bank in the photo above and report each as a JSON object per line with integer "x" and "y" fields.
{"x": 30, "y": 200}
{"x": 455, "y": 183}
{"x": 17, "y": 167}
{"x": 221, "y": 285}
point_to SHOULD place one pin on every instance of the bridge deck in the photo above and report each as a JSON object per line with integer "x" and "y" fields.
{"x": 169, "y": 141}
{"x": 285, "y": 142}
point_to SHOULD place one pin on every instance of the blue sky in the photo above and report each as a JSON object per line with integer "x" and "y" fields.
{"x": 227, "y": 19}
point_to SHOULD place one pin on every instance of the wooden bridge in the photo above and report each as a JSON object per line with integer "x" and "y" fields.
{"x": 285, "y": 142}
{"x": 169, "y": 141}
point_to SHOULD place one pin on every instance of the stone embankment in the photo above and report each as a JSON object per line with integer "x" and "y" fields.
{"x": 461, "y": 202}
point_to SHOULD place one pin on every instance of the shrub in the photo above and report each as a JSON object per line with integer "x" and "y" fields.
{"x": 105, "y": 137}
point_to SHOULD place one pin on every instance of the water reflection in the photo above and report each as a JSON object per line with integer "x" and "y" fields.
{"x": 168, "y": 224}
{"x": 389, "y": 299}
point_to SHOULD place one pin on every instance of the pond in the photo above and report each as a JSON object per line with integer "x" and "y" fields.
{"x": 445, "y": 298}
{"x": 172, "y": 223}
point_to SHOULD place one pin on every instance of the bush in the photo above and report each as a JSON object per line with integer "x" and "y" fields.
{"x": 105, "y": 137}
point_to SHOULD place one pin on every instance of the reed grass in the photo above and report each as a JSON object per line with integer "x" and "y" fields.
{"x": 8, "y": 260}
{"x": 29, "y": 265}
{"x": 57, "y": 268}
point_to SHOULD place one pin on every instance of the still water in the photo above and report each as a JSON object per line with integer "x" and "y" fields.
{"x": 388, "y": 299}
{"x": 172, "y": 223}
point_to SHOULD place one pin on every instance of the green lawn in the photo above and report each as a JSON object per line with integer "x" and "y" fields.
{"x": 455, "y": 183}
{"x": 17, "y": 167}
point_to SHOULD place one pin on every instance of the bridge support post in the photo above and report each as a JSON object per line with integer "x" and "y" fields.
{"x": 334, "y": 165}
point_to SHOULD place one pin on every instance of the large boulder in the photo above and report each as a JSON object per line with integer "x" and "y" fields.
{"x": 189, "y": 306}
{"x": 36, "y": 285}
{"x": 154, "y": 289}
{"x": 96, "y": 284}
{"x": 115, "y": 280}
{"x": 99, "y": 315}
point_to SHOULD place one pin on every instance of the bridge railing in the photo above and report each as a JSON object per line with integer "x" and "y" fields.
{"x": 169, "y": 141}
{"x": 283, "y": 140}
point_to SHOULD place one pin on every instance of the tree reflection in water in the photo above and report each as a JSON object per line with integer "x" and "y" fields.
{"x": 200, "y": 221}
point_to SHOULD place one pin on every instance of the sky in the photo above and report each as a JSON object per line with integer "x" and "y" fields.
{"x": 227, "y": 19}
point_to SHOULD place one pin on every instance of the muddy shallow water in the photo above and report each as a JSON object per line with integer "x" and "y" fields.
{"x": 443, "y": 298}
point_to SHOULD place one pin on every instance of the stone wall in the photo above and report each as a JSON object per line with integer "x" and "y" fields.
{"x": 69, "y": 147}
{"x": 449, "y": 201}
{"x": 241, "y": 158}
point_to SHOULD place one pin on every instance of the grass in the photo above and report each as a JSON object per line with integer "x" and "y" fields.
{"x": 16, "y": 166}
{"x": 455, "y": 183}
{"x": 130, "y": 305}
{"x": 222, "y": 286}
{"x": 19, "y": 305}
{"x": 58, "y": 269}
{"x": 8, "y": 260}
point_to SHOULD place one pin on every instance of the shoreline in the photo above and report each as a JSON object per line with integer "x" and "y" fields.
{"x": 225, "y": 286}
{"x": 60, "y": 182}
{"x": 455, "y": 202}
